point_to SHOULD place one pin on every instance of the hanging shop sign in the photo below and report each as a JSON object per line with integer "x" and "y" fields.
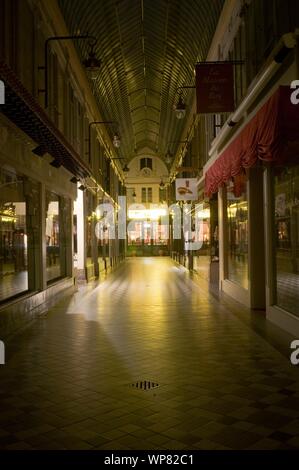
{"x": 214, "y": 87}
{"x": 186, "y": 189}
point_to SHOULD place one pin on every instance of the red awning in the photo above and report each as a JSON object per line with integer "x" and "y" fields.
{"x": 269, "y": 136}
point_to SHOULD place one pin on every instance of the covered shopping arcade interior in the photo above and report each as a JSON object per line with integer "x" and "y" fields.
{"x": 149, "y": 224}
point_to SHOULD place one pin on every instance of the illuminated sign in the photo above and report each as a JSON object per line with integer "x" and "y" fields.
{"x": 141, "y": 214}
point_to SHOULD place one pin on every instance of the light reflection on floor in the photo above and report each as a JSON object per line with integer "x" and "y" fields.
{"x": 222, "y": 386}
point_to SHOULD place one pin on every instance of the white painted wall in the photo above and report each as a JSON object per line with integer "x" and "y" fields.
{"x": 136, "y": 178}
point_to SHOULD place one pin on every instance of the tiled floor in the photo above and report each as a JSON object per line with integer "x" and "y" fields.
{"x": 201, "y": 265}
{"x": 66, "y": 383}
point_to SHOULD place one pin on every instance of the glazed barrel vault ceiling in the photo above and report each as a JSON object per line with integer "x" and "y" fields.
{"x": 148, "y": 49}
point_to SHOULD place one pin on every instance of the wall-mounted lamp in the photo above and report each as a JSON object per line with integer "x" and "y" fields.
{"x": 169, "y": 155}
{"x": 168, "y": 158}
{"x": 56, "y": 163}
{"x": 116, "y": 138}
{"x": 74, "y": 180}
{"x": 92, "y": 64}
{"x": 180, "y": 107}
{"x": 125, "y": 169}
{"x": 39, "y": 150}
{"x": 134, "y": 193}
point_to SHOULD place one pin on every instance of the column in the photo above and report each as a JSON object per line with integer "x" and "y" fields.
{"x": 256, "y": 248}
{"x": 222, "y": 235}
{"x": 81, "y": 235}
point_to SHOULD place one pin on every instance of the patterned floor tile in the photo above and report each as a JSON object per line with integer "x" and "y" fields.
{"x": 222, "y": 385}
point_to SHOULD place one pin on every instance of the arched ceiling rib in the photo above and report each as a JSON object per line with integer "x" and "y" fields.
{"x": 148, "y": 49}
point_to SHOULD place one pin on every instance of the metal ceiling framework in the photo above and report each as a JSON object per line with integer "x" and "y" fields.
{"x": 148, "y": 49}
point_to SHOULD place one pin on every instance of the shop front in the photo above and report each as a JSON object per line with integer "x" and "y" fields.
{"x": 257, "y": 179}
{"x": 147, "y": 231}
{"x": 286, "y": 216}
{"x": 14, "y": 268}
{"x": 35, "y": 244}
{"x": 282, "y": 235}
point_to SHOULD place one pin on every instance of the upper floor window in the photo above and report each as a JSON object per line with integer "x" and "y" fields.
{"x": 146, "y": 194}
{"x": 146, "y": 163}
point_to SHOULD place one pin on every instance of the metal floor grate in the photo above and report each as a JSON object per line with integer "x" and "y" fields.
{"x": 144, "y": 385}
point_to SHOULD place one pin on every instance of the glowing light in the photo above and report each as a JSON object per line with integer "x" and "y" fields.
{"x": 203, "y": 214}
{"x": 152, "y": 214}
{"x": 8, "y": 218}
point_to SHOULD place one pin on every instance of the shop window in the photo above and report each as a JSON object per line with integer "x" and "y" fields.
{"x": 287, "y": 239}
{"x": 147, "y": 233}
{"x": 13, "y": 236}
{"x": 53, "y": 248}
{"x": 237, "y": 217}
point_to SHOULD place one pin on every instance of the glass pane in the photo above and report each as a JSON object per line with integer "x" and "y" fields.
{"x": 135, "y": 234}
{"x": 142, "y": 163}
{"x": 201, "y": 257}
{"x": 13, "y": 236}
{"x": 53, "y": 268}
{"x": 237, "y": 216}
{"x": 143, "y": 195}
{"x": 287, "y": 239}
{"x": 146, "y": 163}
